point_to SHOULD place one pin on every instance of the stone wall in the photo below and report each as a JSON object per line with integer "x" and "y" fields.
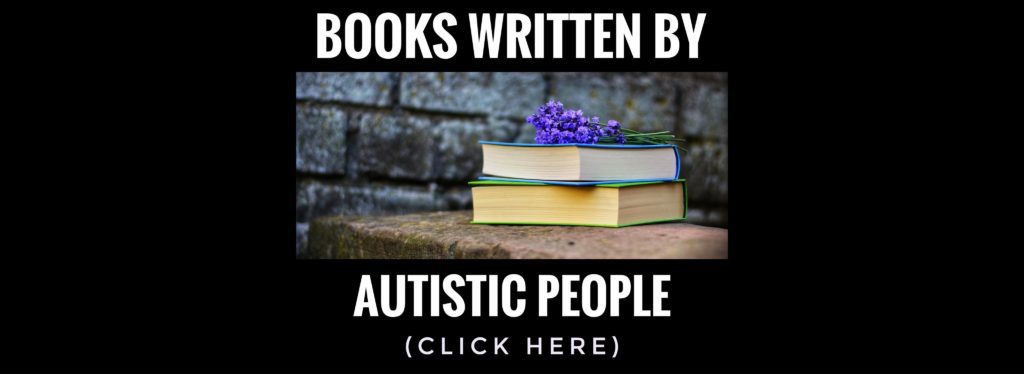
{"x": 386, "y": 143}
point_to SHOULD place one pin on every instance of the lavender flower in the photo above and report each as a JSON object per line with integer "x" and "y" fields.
{"x": 557, "y": 125}
{"x": 583, "y": 135}
{"x": 613, "y": 125}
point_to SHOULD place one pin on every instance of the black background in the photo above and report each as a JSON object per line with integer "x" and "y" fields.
{"x": 792, "y": 201}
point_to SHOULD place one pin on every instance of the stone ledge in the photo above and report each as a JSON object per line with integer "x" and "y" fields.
{"x": 447, "y": 235}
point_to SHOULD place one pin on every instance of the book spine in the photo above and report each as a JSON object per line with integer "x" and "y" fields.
{"x": 679, "y": 162}
{"x": 686, "y": 200}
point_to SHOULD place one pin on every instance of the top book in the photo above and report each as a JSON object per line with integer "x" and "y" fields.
{"x": 581, "y": 162}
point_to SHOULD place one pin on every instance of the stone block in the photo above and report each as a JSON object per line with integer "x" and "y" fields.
{"x": 706, "y": 169}
{"x": 449, "y": 235}
{"x": 500, "y": 94}
{"x": 320, "y": 139}
{"x": 640, "y": 101}
{"x": 357, "y": 88}
{"x": 394, "y": 146}
{"x": 460, "y": 157}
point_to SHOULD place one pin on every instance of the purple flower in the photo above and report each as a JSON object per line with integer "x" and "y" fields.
{"x": 557, "y": 125}
{"x": 583, "y": 135}
{"x": 613, "y": 125}
{"x": 546, "y": 137}
{"x": 567, "y": 137}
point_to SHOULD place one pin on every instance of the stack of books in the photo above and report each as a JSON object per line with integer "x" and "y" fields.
{"x": 606, "y": 185}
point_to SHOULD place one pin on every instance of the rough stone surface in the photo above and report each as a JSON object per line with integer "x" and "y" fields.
{"x": 696, "y": 215}
{"x": 319, "y": 139}
{"x": 527, "y": 133}
{"x": 449, "y": 235}
{"x": 400, "y": 147}
{"x": 460, "y": 197}
{"x": 705, "y": 111}
{"x": 459, "y": 154}
{"x": 706, "y": 169}
{"x": 711, "y": 76}
{"x": 318, "y": 199}
{"x": 505, "y": 94}
{"x": 303, "y": 201}
{"x": 358, "y": 88}
{"x": 301, "y": 238}
{"x": 639, "y": 101}
{"x": 718, "y": 217}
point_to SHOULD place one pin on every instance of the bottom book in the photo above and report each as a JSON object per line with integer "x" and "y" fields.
{"x": 604, "y": 205}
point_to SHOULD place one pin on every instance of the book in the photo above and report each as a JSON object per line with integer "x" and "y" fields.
{"x": 604, "y": 205}
{"x": 581, "y": 162}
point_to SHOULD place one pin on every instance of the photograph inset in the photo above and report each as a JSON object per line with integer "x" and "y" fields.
{"x": 511, "y": 165}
